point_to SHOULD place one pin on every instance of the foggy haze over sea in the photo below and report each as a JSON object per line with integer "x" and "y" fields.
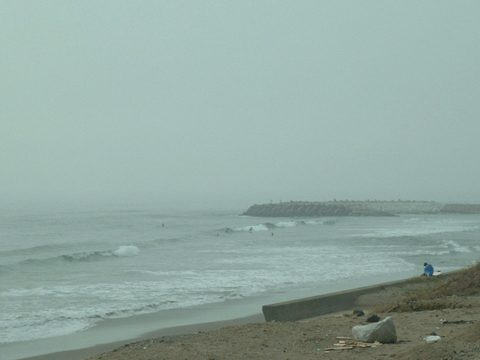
{"x": 239, "y": 102}
{"x": 134, "y": 133}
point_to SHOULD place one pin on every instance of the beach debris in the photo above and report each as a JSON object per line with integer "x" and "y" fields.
{"x": 443, "y": 321}
{"x": 432, "y": 338}
{"x": 382, "y": 331}
{"x": 373, "y": 319}
{"x": 394, "y": 308}
{"x": 358, "y": 312}
{"x": 350, "y": 344}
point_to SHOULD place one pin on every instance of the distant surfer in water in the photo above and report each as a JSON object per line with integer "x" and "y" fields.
{"x": 427, "y": 270}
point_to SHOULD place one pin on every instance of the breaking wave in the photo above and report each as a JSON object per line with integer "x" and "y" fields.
{"x": 454, "y": 247}
{"x": 278, "y": 225}
{"x": 87, "y": 256}
{"x": 122, "y": 251}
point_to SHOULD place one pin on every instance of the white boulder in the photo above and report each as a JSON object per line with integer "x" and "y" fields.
{"x": 382, "y": 331}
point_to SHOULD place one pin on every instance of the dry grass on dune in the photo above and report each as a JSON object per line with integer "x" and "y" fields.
{"x": 435, "y": 293}
{"x": 465, "y": 283}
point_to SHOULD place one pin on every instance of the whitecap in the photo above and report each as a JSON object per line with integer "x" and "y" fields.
{"x": 127, "y": 250}
{"x": 286, "y": 224}
{"x": 457, "y": 247}
{"x": 260, "y": 227}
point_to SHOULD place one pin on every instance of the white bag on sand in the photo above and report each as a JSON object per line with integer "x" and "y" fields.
{"x": 432, "y": 338}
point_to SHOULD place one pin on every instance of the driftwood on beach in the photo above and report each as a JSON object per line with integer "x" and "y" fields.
{"x": 357, "y": 208}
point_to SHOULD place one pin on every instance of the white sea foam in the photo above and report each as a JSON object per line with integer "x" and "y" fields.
{"x": 412, "y": 220}
{"x": 25, "y": 329}
{"x": 259, "y": 227}
{"x": 456, "y": 247}
{"x": 127, "y": 250}
{"x": 286, "y": 224}
{"x": 416, "y": 231}
{"x": 281, "y": 224}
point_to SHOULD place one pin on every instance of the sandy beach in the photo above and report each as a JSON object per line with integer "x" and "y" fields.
{"x": 455, "y": 318}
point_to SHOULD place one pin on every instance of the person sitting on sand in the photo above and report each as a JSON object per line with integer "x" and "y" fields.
{"x": 428, "y": 270}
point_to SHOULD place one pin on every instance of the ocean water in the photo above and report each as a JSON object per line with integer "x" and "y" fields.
{"x": 64, "y": 271}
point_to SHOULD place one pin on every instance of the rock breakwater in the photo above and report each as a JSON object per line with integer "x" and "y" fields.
{"x": 357, "y": 208}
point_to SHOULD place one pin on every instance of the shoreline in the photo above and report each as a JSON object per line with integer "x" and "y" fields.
{"x": 86, "y": 352}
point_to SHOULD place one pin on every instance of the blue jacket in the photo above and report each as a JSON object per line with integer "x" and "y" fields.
{"x": 428, "y": 270}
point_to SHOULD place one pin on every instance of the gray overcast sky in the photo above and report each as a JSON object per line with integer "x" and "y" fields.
{"x": 240, "y": 101}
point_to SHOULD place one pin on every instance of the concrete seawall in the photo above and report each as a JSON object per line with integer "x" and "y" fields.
{"x": 316, "y": 305}
{"x": 323, "y": 304}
